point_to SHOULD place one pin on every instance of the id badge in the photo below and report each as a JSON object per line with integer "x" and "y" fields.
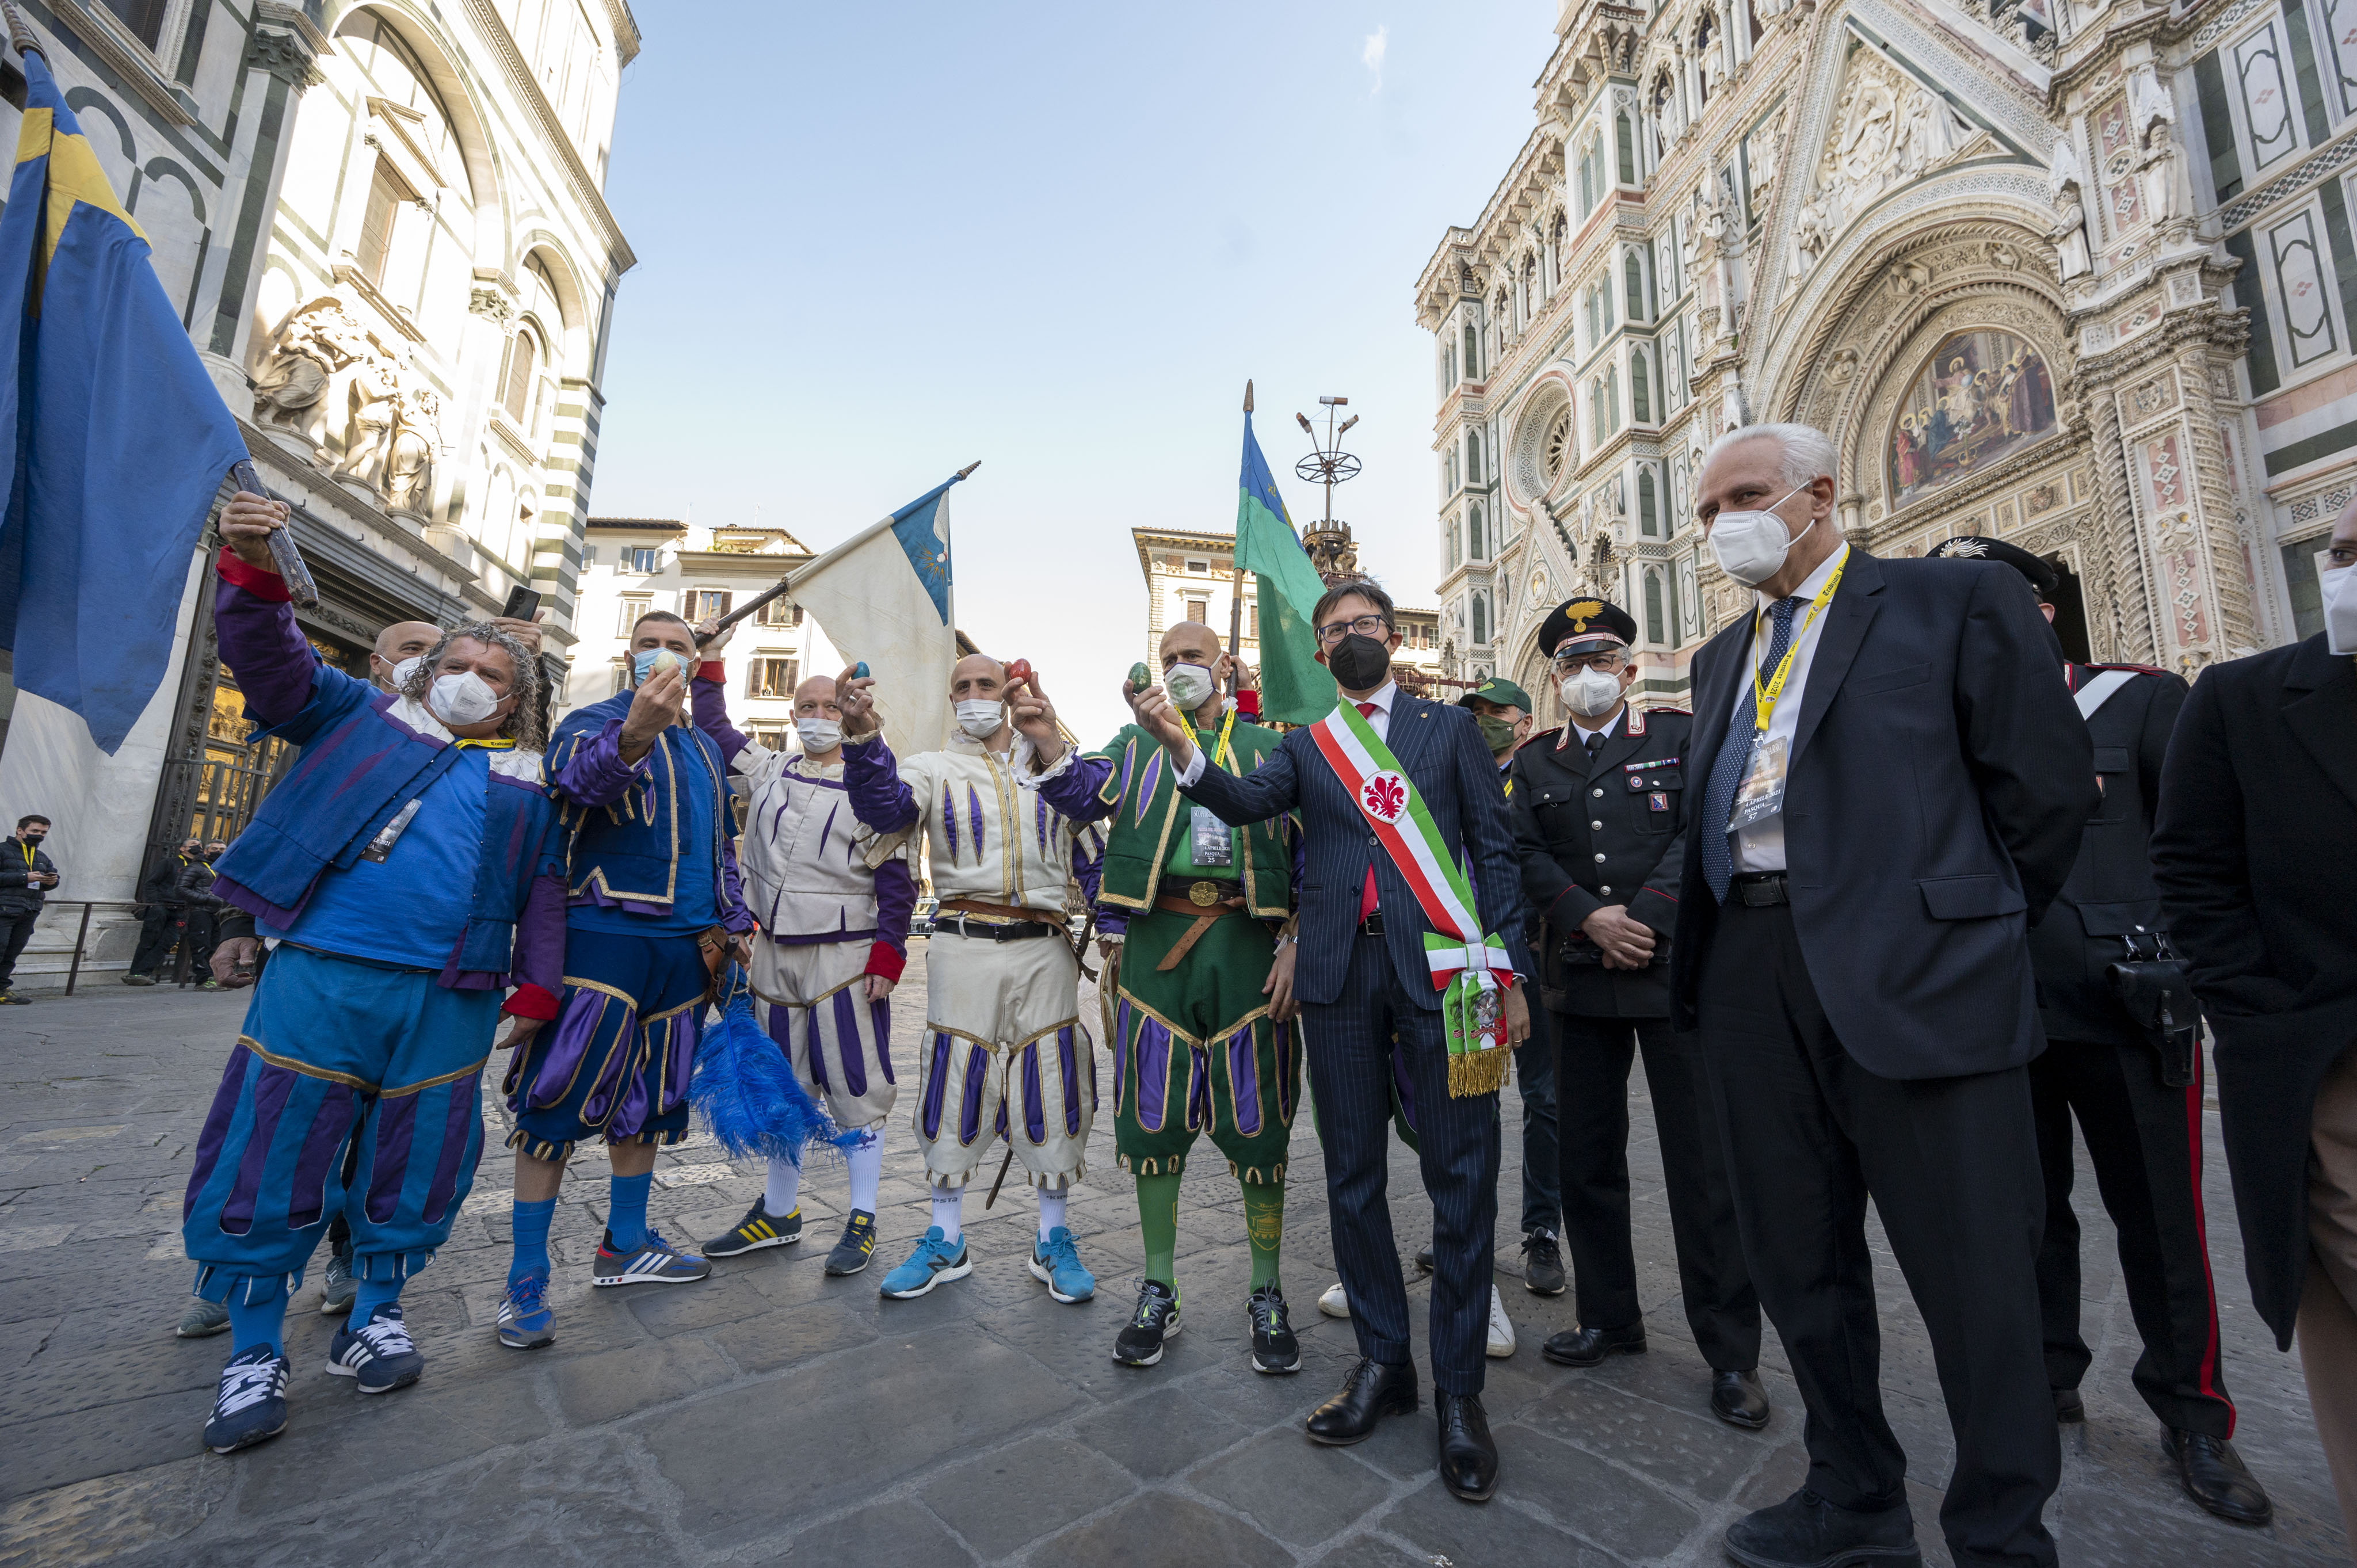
{"x": 1761, "y": 794}
{"x": 1209, "y": 842}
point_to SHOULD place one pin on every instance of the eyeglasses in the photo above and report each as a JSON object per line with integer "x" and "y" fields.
{"x": 1608, "y": 662}
{"x": 1333, "y": 632}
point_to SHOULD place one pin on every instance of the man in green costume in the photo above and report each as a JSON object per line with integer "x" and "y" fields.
{"x": 1195, "y": 919}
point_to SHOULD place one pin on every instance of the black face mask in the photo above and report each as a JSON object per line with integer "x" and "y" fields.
{"x": 1359, "y": 662}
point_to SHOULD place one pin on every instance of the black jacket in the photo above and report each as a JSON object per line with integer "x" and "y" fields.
{"x": 2110, "y": 893}
{"x": 2256, "y": 835}
{"x": 195, "y": 886}
{"x": 161, "y": 886}
{"x": 17, "y": 894}
{"x": 1606, "y": 831}
{"x": 1938, "y": 782}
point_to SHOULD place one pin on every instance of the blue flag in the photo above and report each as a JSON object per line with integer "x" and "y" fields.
{"x": 115, "y": 441}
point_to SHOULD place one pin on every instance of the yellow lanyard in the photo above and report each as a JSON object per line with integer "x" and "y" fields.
{"x": 485, "y": 745}
{"x": 1764, "y": 697}
{"x": 29, "y": 852}
{"x": 1224, "y": 753}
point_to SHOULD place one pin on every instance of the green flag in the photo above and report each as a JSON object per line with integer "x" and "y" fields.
{"x": 1294, "y": 687}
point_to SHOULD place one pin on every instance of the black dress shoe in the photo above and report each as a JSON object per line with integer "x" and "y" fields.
{"x": 1806, "y": 1531}
{"x": 2213, "y": 1474}
{"x": 1588, "y": 1347}
{"x": 1424, "y": 1257}
{"x": 1371, "y": 1392}
{"x": 1468, "y": 1454}
{"x": 1738, "y": 1399}
{"x": 2069, "y": 1408}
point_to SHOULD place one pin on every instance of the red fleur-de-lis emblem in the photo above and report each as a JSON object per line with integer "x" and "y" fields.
{"x": 1386, "y": 797}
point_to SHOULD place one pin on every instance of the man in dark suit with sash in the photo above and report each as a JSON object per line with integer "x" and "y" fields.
{"x": 1895, "y": 784}
{"x": 1398, "y": 799}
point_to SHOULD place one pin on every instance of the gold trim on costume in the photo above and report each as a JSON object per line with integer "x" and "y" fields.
{"x": 306, "y": 1069}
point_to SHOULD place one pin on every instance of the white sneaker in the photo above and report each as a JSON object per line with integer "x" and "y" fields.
{"x": 1501, "y": 1327}
{"x": 1334, "y": 1304}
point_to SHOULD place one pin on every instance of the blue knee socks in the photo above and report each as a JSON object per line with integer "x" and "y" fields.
{"x": 531, "y": 1227}
{"x": 251, "y": 1324}
{"x": 626, "y": 1216}
{"x": 371, "y": 1294}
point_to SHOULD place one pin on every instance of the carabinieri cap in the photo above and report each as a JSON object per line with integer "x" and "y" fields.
{"x": 2043, "y": 578}
{"x": 1586, "y": 626}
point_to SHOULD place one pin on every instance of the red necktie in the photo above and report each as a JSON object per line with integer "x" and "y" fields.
{"x": 1367, "y": 893}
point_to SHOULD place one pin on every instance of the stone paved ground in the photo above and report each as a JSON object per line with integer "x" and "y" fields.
{"x": 772, "y": 1414}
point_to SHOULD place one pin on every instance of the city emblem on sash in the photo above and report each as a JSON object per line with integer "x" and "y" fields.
{"x": 1385, "y": 797}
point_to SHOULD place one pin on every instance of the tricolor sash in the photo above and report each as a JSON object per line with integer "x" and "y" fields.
{"x": 1467, "y": 966}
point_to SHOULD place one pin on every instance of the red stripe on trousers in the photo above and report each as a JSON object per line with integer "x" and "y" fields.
{"x": 2209, "y": 1384}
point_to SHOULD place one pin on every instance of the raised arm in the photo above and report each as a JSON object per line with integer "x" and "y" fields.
{"x": 585, "y": 766}
{"x": 2022, "y": 734}
{"x": 709, "y": 695}
{"x": 1269, "y": 790}
{"x": 871, "y": 777}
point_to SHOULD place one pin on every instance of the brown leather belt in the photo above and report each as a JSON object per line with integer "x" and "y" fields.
{"x": 1207, "y": 902}
{"x": 995, "y": 911}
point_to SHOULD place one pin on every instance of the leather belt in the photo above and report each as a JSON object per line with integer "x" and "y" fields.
{"x": 961, "y": 924}
{"x": 1372, "y": 926}
{"x": 1760, "y": 889}
{"x": 1209, "y": 902}
{"x": 989, "y": 911}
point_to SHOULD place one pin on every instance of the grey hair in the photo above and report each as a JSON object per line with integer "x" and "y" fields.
{"x": 1808, "y": 452}
{"x": 525, "y": 725}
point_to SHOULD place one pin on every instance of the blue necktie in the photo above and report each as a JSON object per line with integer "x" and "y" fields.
{"x": 1734, "y": 752}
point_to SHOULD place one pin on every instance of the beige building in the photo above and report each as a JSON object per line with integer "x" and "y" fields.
{"x": 2077, "y": 273}
{"x": 631, "y": 566}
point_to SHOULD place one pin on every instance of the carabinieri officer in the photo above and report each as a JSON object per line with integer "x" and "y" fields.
{"x": 1596, "y": 809}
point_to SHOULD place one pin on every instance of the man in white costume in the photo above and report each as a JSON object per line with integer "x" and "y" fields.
{"x": 1006, "y": 809}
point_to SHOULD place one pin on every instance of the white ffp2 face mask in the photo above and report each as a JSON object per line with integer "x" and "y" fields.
{"x": 1189, "y": 685}
{"x": 404, "y": 670}
{"x": 2339, "y": 587}
{"x": 464, "y": 698}
{"x": 1751, "y": 545}
{"x": 980, "y": 720}
{"x": 819, "y": 734}
{"x": 1590, "y": 692}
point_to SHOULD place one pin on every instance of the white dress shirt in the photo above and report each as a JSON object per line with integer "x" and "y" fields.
{"x": 1380, "y": 720}
{"x": 1760, "y": 846}
{"x": 1610, "y": 726}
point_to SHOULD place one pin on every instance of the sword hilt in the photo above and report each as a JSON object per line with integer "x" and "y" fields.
{"x": 284, "y": 552}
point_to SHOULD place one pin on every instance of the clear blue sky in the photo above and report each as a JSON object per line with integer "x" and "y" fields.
{"x": 878, "y": 242}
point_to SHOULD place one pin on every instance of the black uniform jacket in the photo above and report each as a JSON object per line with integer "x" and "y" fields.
{"x": 2110, "y": 893}
{"x": 1610, "y": 831}
{"x": 1937, "y": 786}
{"x": 2253, "y": 850}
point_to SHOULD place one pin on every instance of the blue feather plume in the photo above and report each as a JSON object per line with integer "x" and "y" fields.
{"x": 744, "y": 1088}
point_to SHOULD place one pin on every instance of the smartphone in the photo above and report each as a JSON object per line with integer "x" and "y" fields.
{"x": 523, "y": 603}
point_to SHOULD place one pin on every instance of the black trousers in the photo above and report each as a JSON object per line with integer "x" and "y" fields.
{"x": 16, "y": 930}
{"x": 1348, "y": 1045}
{"x": 1592, "y": 1058}
{"x": 202, "y": 937}
{"x": 1952, "y": 1166}
{"x": 1534, "y": 1079}
{"x": 2145, "y": 1142}
{"x": 159, "y": 928}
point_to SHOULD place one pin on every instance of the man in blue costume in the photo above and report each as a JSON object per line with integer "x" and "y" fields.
{"x": 402, "y": 872}
{"x": 653, "y": 909}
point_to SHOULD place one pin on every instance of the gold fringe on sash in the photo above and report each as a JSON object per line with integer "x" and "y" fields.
{"x": 1472, "y": 1073}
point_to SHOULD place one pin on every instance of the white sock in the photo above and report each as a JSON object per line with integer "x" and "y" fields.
{"x": 949, "y": 1208}
{"x": 785, "y": 1188}
{"x": 1051, "y": 1211}
{"x": 866, "y": 1162}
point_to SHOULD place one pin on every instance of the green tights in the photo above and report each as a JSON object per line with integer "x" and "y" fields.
{"x": 1157, "y": 1213}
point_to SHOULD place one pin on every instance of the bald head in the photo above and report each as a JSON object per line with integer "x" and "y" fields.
{"x": 1190, "y": 642}
{"x": 977, "y": 678}
{"x": 402, "y": 639}
{"x": 814, "y": 698}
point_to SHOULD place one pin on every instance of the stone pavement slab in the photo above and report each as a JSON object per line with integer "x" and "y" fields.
{"x": 772, "y": 1416}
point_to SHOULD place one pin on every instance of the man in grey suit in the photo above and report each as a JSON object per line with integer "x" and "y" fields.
{"x": 1364, "y": 978}
{"x": 1896, "y": 781}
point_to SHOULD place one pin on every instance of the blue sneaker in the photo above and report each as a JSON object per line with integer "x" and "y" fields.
{"x": 1057, "y": 1260}
{"x": 526, "y": 1320}
{"x": 936, "y": 1259}
{"x": 378, "y": 1355}
{"x": 654, "y": 1262}
{"x": 252, "y": 1403}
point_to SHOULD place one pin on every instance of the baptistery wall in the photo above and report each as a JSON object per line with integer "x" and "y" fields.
{"x": 2018, "y": 259}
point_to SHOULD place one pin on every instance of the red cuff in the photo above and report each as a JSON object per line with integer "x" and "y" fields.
{"x": 1248, "y": 704}
{"x": 886, "y": 960}
{"x": 531, "y": 1001}
{"x": 254, "y": 580}
{"x": 713, "y": 670}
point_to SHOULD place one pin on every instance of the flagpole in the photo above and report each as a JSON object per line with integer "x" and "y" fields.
{"x": 20, "y": 34}
{"x": 1236, "y": 594}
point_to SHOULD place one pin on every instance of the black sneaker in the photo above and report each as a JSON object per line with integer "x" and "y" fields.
{"x": 1542, "y": 1264}
{"x": 1156, "y": 1319}
{"x": 251, "y": 1407}
{"x": 1275, "y": 1350}
{"x": 13, "y": 1000}
{"x": 380, "y": 1356}
{"x": 654, "y": 1263}
{"x": 859, "y": 1244}
{"x": 758, "y": 1230}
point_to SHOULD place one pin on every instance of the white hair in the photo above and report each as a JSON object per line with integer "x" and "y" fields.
{"x": 1808, "y": 452}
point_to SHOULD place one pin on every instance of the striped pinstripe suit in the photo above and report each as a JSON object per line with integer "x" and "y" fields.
{"x": 1358, "y": 992}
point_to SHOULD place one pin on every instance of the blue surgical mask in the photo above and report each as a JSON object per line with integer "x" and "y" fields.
{"x": 646, "y": 659}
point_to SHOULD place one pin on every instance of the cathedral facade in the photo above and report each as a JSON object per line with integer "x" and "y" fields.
{"x": 2074, "y": 275}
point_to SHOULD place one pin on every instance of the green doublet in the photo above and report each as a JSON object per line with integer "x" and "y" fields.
{"x": 1194, "y": 1048}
